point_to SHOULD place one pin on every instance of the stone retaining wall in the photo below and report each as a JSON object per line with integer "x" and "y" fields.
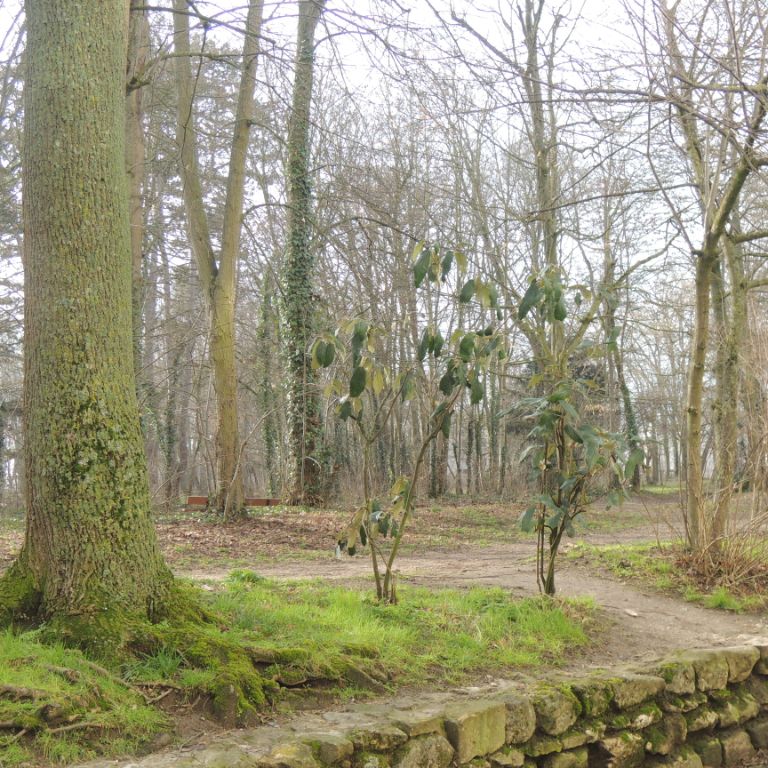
{"x": 706, "y": 708}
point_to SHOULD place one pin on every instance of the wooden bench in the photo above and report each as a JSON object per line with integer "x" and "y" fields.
{"x": 202, "y": 501}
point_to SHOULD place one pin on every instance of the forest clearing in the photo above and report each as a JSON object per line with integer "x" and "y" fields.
{"x": 360, "y": 349}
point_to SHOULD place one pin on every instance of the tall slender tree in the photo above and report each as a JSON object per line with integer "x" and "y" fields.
{"x": 218, "y": 271}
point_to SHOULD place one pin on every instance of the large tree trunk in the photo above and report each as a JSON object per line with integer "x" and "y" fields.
{"x": 303, "y": 407}
{"x": 90, "y": 549}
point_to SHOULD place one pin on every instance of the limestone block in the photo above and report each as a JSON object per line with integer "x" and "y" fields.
{"x": 735, "y": 707}
{"x": 378, "y": 738}
{"x": 431, "y": 751}
{"x": 292, "y": 755}
{"x": 741, "y": 661}
{"x": 758, "y": 732}
{"x": 667, "y": 736}
{"x": 584, "y": 732}
{"x": 521, "y": 718}
{"x": 508, "y": 757}
{"x": 701, "y": 719}
{"x": 679, "y": 675}
{"x": 757, "y": 686}
{"x": 574, "y": 758}
{"x": 673, "y": 703}
{"x": 737, "y": 747}
{"x": 330, "y": 748}
{"x": 762, "y": 665}
{"x": 625, "y": 750}
{"x": 595, "y": 696}
{"x": 367, "y": 760}
{"x": 686, "y": 758}
{"x": 418, "y": 722}
{"x": 708, "y": 748}
{"x": 556, "y": 709}
{"x": 542, "y": 745}
{"x": 631, "y": 689}
{"x": 476, "y": 728}
{"x": 711, "y": 667}
{"x": 637, "y": 718}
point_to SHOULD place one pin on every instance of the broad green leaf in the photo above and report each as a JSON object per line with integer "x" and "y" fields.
{"x": 318, "y": 353}
{"x": 360, "y": 330}
{"x": 467, "y": 292}
{"x": 408, "y": 389}
{"x": 438, "y": 342}
{"x": 329, "y": 355}
{"x": 573, "y": 433}
{"x": 345, "y": 410}
{"x": 357, "y": 382}
{"x": 477, "y": 391}
{"x": 421, "y": 267}
{"x": 446, "y": 264}
{"x": 560, "y": 312}
{"x": 530, "y": 300}
{"x": 467, "y": 347}
{"x": 417, "y": 249}
{"x": 526, "y": 520}
{"x": 445, "y": 427}
{"x": 426, "y": 337}
{"x": 448, "y": 381}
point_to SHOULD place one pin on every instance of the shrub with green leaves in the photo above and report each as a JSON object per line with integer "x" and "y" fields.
{"x": 367, "y": 391}
{"x": 568, "y": 454}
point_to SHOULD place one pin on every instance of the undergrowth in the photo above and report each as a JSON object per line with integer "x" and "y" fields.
{"x": 56, "y": 706}
{"x": 671, "y": 569}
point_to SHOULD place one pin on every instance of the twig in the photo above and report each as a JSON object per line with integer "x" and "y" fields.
{"x": 75, "y": 727}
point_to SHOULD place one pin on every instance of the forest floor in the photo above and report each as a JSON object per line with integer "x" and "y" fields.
{"x": 461, "y": 544}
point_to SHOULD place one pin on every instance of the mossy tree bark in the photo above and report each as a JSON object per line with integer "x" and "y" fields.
{"x": 303, "y": 406}
{"x": 218, "y": 271}
{"x": 138, "y": 52}
{"x": 90, "y": 550}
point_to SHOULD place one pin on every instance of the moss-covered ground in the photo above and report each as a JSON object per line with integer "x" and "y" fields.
{"x": 272, "y": 642}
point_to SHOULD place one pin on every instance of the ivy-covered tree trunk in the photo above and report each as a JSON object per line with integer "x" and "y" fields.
{"x": 303, "y": 407}
{"x": 90, "y": 551}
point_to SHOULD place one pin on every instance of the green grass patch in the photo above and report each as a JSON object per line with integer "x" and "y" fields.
{"x": 662, "y": 490}
{"x": 442, "y": 635}
{"x": 662, "y": 567}
{"x": 57, "y": 706}
{"x": 290, "y": 637}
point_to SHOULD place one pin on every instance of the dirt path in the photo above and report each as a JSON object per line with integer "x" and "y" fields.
{"x": 645, "y": 624}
